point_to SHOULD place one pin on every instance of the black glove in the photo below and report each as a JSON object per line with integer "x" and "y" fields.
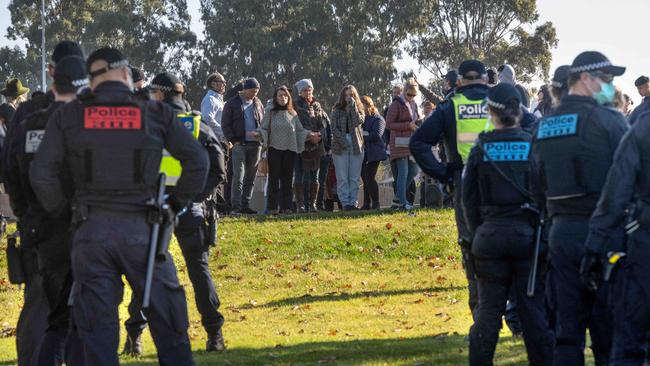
{"x": 452, "y": 168}
{"x": 176, "y": 205}
{"x": 591, "y": 270}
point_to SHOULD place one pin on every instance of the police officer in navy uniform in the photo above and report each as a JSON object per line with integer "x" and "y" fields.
{"x": 573, "y": 150}
{"x": 112, "y": 144}
{"x": 625, "y": 201}
{"x": 191, "y": 230}
{"x": 33, "y": 319}
{"x": 468, "y": 103}
{"x": 498, "y": 201}
{"x": 50, "y": 234}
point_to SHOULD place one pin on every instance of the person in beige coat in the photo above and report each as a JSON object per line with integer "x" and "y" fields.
{"x": 284, "y": 137}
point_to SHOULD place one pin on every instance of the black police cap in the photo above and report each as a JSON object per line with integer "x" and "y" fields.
{"x": 452, "y": 76}
{"x": 561, "y": 76}
{"x": 468, "y": 66}
{"x": 641, "y": 80}
{"x": 65, "y": 48}
{"x": 136, "y": 74}
{"x": 503, "y": 95}
{"x": 70, "y": 73}
{"x": 113, "y": 58}
{"x": 595, "y": 61}
{"x": 167, "y": 82}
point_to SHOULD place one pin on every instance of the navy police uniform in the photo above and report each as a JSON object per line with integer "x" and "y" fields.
{"x": 50, "y": 234}
{"x": 195, "y": 239}
{"x": 112, "y": 145}
{"x": 573, "y": 150}
{"x": 628, "y": 183}
{"x": 498, "y": 215}
{"x": 442, "y": 126}
{"x": 33, "y": 321}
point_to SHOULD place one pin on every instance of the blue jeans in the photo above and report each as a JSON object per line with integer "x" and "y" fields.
{"x": 348, "y": 174}
{"x": 406, "y": 171}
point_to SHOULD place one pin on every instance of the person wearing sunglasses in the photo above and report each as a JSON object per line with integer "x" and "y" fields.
{"x": 403, "y": 118}
{"x": 573, "y": 149}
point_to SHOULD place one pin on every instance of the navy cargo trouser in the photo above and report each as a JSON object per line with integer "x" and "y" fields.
{"x": 502, "y": 256}
{"x": 576, "y": 307}
{"x": 60, "y": 342}
{"x": 106, "y": 246}
{"x": 32, "y": 321}
{"x": 191, "y": 238}
{"x": 631, "y": 293}
{"x": 465, "y": 241}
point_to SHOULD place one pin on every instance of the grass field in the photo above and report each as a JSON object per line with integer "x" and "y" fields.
{"x": 362, "y": 289}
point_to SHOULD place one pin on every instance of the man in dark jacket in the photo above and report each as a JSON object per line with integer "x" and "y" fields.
{"x": 242, "y": 115}
{"x": 643, "y": 86}
{"x": 572, "y": 150}
{"x": 624, "y": 198}
{"x": 457, "y": 123}
{"x": 191, "y": 230}
{"x": 112, "y": 144}
{"x": 33, "y": 320}
{"x": 50, "y": 234}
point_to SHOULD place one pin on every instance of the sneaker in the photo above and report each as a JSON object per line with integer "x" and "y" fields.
{"x": 248, "y": 211}
{"x": 215, "y": 343}
{"x": 133, "y": 345}
{"x": 408, "y": 207}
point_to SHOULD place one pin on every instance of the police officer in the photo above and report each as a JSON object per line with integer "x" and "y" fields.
{"x": 559, "y": 84}
{"x": 112, "y": 144}
{"x": 457, "y": 122}
{"x": 32, "y": 322}
{"x": 573, "y": 150}
{"x": 49, "y": 233}
{"x": 194, "y": 235}
{"x": 628, "y": 185}
{"x": 499, "y": 215}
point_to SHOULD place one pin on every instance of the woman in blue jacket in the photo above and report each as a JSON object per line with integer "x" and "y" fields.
{"x": 375, "y": 152}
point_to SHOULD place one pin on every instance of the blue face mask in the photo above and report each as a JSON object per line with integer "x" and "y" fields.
{"x": 606, "y": 94}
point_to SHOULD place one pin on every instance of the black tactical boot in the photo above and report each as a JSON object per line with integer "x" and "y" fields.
{"x": 133, "y": 344}
{"x": 215, "y": 342}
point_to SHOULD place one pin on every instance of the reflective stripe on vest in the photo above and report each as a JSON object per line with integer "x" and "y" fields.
{"x": 169, "y": 165}
{"x": 471, "y": 120}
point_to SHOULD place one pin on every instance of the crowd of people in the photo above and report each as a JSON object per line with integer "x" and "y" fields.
{"x": 543, "y": 192}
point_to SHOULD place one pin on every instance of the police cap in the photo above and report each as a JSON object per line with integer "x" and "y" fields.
{"x": 70, "y": 74}
{"x": 452, "y": 76}
{"x": 136, "y": 74}
{"x": 589, "y": 61}
{"x": 503, "y": 95}
{"x": 561, "y": 76}
{"x": 113, "y": 58}
{"x": 167, "y": 82}
{"x": 641, "y": 80}
{"x": 65, "y": 48}
{"x": 468, "y": 66}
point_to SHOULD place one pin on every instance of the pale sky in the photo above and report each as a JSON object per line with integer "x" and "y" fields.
{"x": 614, "y": 28}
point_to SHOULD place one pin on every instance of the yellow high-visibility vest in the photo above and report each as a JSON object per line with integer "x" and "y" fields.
{"x": 169, "y": 165}
{"x": 471, "y": 120}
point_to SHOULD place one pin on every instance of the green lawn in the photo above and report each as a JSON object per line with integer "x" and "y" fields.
{"x": 363, "y": 290}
